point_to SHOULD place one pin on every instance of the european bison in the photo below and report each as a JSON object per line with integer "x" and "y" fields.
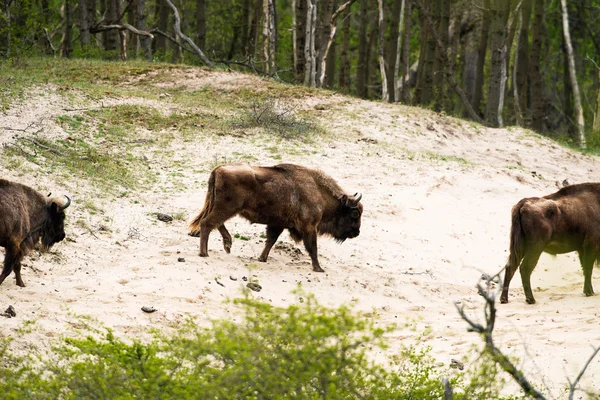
{"x": 561, "y": 222}
{"x": 27, "y": 216}
{"x": 304, "y": 201}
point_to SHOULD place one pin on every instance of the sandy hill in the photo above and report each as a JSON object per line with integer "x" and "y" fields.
{"x": 437, "y": 193}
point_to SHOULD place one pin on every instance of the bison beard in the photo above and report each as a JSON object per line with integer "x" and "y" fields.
{"x": 27, "y": 216}
{"x": 302, "y": 200}
{"x": 561, "y": 222}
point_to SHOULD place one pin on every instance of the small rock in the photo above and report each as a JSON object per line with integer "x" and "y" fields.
{"x": 164, "y": 217}
{"x": 9, "y": 313}
{"x": 456, "y": 364}
{"x": 254, "y": 286}
{"x": 244, "y": 279}
{"x": 232, "y": 278}
{"x": 147, "y": 309}
{"x": 180, "y": 259}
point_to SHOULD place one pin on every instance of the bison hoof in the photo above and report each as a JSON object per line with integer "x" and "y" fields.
{"x": 194, "y": 234}
{"x": 227, "y": 248}
{"x": 318, "y": 269}
{"x": 203, "y": 254}
{"x": 588, "y": 293}
{"x": 21, "y": 284}
{"x": 530, "y": 300}
{"x": 503, "y": 300}
{"x": 262, "y": 259}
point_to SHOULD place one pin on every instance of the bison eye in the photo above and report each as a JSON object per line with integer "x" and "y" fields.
{"x": 355, "y": 214}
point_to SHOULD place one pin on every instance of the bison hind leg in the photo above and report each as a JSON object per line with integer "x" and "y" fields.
{"x": 587, "y": 257}
{"x": 227, "y": 241}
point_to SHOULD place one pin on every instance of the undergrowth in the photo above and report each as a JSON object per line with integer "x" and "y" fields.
{"x": 304, "y": 351}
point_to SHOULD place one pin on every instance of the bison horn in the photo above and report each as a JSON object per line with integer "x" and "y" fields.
{"x": 357, "y": 199}
{"x": 68, "y": 203}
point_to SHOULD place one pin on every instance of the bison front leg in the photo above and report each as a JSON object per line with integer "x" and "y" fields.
{"x": 310, "y": 243}
{"x": 587, "y": 258}
{"x": 529, "y": 262}
{"x": 273, "y": 233}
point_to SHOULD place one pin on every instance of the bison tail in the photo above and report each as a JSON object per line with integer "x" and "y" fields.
{"x": 517, "y": 237}
{"x": 194, "y": 226}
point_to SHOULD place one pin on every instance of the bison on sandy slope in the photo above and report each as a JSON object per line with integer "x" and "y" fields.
{"x": 561, "y": 222}
{"x": 27, "y": 216}
{"x": 305, "y": 201}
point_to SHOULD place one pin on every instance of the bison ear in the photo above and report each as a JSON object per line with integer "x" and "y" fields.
{"x": 344, "y": 200}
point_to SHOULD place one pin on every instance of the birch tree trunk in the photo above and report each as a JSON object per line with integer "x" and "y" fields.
{"x": 397, "y": 77}
{"x": 535, "y": 77}
{"x": 596, "y": 123}
{"x": 391, "y": 49}
{"x": 573, "y": 75}
{"x": 384, "y": 84}
{"x": 300, "y": 38}
{"x": 497, "y": 77}
{"x": 405, "y": 90}
{"x": 309, "y": 48}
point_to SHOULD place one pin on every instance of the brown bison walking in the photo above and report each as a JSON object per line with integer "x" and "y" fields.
{"x": 304, "y": 201}
{"x": 27, "y": 216}
{"x": 561, "y": 222}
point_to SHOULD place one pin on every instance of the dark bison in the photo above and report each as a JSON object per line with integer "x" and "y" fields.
{"x": 27, "y": 216}
{"x": 561, "y": 222}
{"x": 304, "y": 201}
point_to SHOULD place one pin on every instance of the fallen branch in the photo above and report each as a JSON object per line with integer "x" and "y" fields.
{"x": 573, "y": 385}
{"x": 104, "y": 28}
{"x": 187, "y": 39}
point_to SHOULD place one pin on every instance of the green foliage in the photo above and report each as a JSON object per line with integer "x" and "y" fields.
{"x": 304, "y": 351}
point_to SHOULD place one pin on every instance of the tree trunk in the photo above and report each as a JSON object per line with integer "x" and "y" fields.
{"x": 427, "y": 56}
{"x": 323, "y": 30}
{"x": 200, "y": 23}
{"x": 573, "y": 75}
{"x": 535, "y": 77}
{"x": 245, "y": 28}
{"x": 163, "y": 23}
{"x": 145, "y": 42}
{"x": 113, "y": 12}
{"x": 254, "y": 30}
{"x": 84, "y": 28}
{"x": 344, "y": 76}
{"x": 596, "y": 124}
{"x": 361, "y": 65}
{"x": 272, "y": 38}
{"x": 482, "y": 50}
{"x": 300, "y": 39}
{"x": 132, "y": 38}
{"x": 443, "y": 24}
{"x": 269, "y": 42}
{"x": 309, "y": 47}
{"x": 397, "y": 77}
{"x": 391, "y": 50}
{"x": 405, "y": 90}
{"x": 67, "y": 41}
{"x": 382, "y": 67}
{"x": 373, "y": 84}
{"x": 469, "y": 54}
{"x": 522, "y": 56}
{"x": 330, "y": 41}
{"x": 497, "y": 65}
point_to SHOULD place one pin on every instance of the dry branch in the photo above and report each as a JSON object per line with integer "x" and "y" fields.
{"x": 122, "y": 27}
{"x": 489, "y": 294}
{"x": 187, "y": 39}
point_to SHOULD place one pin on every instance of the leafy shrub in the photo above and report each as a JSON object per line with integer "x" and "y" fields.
{"x": 304, "y": 351}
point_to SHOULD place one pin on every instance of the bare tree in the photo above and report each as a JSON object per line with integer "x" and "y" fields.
{"x": 145, "y": 41}
{"x": 84, "y": 27}
{"x": 299, "y": 37}
{"x": 384, "y": 85}
{"x": 361, "y": 64}
{"x": 497, "y": 78}
{"x": 404, "y": 91}
{"x": 269, "y": 41}
{"x": 572, "y": 74}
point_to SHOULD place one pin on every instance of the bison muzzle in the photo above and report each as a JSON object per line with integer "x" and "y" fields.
{"x": 561, "y": 222}
{"x": 305, "y": 201}
{"x": 26, "y": 217}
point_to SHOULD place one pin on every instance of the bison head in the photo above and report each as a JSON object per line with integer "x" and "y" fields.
{"x": 348, "y": 218}
{"x": 53, "y": 230}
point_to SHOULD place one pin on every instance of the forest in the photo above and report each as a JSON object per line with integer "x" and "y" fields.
{"x": 531, "y": 63}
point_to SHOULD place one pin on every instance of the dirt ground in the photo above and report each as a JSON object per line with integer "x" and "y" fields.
{"x": 437, "y": 194}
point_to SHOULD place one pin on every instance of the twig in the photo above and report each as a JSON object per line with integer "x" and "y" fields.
{"x": 50, "y": 149}
{"x": 219, "y": 283}
{"x": 573, "y": 385}
{"x": 19, "y": 129}
{"x": 490, "y": 319}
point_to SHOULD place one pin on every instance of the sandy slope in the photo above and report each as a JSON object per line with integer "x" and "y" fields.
{"x": 437, "y": 194}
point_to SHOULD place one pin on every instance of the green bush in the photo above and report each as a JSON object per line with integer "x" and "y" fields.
{"x": 304, "y": 351}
